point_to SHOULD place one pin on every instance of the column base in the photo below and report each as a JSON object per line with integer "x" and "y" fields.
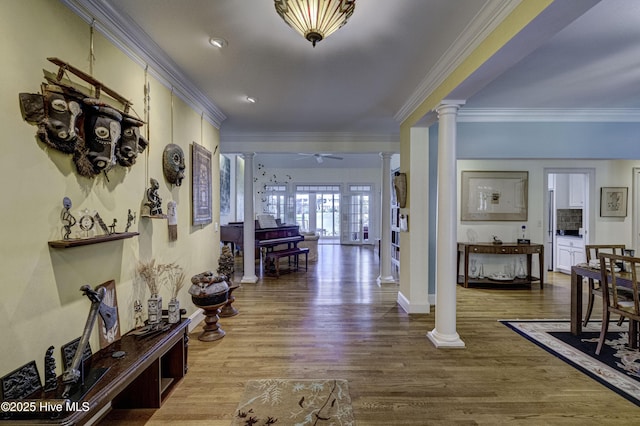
{"x": 445, "y": 341}
{"x": 249, "y": 279}
{"x": 386, "y": 280}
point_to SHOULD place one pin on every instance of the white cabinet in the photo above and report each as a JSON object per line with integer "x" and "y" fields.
{"x": 569, "y": 252}
{"x": 576, "y": 191}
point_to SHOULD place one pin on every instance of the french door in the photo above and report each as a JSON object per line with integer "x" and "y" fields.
{"x": 356, "y": 217}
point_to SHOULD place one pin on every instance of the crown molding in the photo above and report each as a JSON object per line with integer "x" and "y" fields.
{"x": 489, "y": 115}
{"x": 127, "y": 36}
{"x": 310, "y": 137}
{"x": 487, "y": 20}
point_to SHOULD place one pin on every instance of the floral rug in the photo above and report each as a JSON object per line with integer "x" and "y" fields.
{"x": 295, "y": 403}
{"x": 617, "y": 367}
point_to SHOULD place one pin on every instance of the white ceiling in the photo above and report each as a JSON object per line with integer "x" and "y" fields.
{"x": 370, "y": 75}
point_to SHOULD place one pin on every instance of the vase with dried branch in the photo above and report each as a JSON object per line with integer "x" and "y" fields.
{"x": 174, "y": 279}
{"x": 150, "y": 273}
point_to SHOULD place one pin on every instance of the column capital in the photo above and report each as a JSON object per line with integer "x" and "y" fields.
{"x": 449, "y": 106}
{"x": 248, "y": 154}
{"x": 385, "y": 155}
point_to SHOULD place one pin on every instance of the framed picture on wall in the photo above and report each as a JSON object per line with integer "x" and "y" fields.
{"x": 225, "y": 185}
{"x": 494, "y": 196}
{"x": 201, "y": 202}
{"x": 613, "y": 201}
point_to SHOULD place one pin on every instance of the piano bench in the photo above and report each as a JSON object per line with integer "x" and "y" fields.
{"x": 294, "y": 252}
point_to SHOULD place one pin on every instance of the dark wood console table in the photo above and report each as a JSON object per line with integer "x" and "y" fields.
{"x": 143, "y": 378}
{"x": 464, "y": 249}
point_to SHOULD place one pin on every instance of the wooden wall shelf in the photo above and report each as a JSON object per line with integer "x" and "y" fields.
{"x": 75, "y": 242}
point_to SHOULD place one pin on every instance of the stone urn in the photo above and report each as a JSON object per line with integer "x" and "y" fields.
{"x": 210, "y": 292}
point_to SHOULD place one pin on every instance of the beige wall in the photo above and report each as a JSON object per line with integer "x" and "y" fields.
{"x": 40, "y": 303}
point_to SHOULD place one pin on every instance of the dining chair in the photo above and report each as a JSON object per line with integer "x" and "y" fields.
{"x": 612, "y": 281}
{"x": 595, "y": 287}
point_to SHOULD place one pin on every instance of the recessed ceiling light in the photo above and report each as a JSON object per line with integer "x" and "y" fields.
{"x": 251, "y": 99}
{"x": 218, "y": 42}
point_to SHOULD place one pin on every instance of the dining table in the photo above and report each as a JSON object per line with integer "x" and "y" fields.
{"x": 578, "y": 274}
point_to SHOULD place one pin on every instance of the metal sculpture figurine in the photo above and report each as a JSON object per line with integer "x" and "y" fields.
{"x": 131, "y": 217}
{"x": 154, "y": 202}
{"x": 112, "y": 227}
{"x": 173, "y": 164}
{"x": 72, "y": 374}
{"x": 67, "y": 218}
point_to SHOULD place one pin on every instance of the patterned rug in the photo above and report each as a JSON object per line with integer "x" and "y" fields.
{"x": 295, "y": 402}
{"x": 617, "y": 367}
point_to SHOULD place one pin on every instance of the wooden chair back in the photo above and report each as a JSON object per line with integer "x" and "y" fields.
{"x": 612, "y": 268}
{"x": 593, "y": 250}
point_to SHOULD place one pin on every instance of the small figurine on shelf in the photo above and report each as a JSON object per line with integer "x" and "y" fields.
{"x": 496, "y": 240}
{"x": 112, "y": 227}
{"x": 131, "y": 217}
{"x": 138, "y": 315}
{"x": 154, "y": 202}
{"x": 68, "y": 220}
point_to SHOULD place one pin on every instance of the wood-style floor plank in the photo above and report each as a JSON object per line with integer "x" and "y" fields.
{"x": 335, "y": 321}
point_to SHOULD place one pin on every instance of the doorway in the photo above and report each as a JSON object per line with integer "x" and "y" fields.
{"x": 567, "y": 217}
{"x": 356, "y": 226}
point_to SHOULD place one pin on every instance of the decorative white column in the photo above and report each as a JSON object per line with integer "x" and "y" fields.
{"x": 444, "y": 334}
{"x": 385, "y": 243}
{"x": 249, "y": 242}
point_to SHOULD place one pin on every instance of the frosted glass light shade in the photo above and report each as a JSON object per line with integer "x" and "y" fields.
{"x": 315, "y": 19}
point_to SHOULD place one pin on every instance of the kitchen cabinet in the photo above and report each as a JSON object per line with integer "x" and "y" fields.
{"x": 570, "y": 251}
{"x": 576, "y": 191}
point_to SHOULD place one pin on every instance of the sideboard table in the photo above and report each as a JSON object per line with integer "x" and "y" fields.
{"x": 464, "y": 249}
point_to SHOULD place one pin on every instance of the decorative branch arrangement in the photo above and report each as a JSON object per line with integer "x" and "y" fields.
{"x": 150, "y": 272}
{"x": 174, "y": 278}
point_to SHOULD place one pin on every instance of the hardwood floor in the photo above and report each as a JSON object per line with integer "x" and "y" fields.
{"x": 334, "y": 321}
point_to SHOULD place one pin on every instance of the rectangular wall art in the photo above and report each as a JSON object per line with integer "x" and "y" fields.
{"x": 613, "y": 201}
{"x": 201, "y": 185}
{"x": 494, "y": 196}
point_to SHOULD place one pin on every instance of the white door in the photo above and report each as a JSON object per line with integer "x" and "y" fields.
{"x": 355, "y": 218}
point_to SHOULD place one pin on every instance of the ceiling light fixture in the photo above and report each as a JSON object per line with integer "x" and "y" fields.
{"x": 217, "y": 42}
{"x": 315, "y": 19}
{"x": 251, "y": 99}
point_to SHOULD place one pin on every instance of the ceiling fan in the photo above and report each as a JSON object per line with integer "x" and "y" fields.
{"x": 320, "y": 157}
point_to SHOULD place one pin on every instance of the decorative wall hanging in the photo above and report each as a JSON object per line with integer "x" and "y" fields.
{"x": 98, "y": 135}
{"x": 201, "y": 185}
{"x": 400, "y": 188}
{"x": 613, "y": 201}
{"x": 109, "y": 332}
{"x": 494, "y": 196}
{"x": 225, "y": 185}
{"x": 173, "y": 164}
{"x": 172, "y": 220}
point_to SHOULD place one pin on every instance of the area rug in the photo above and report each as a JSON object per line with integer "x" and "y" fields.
{"x": 295, "y": 402}
{"x": 617, "y": 367}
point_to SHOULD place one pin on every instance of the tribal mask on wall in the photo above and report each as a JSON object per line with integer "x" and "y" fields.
{"x": 173, "y": 164}
{"x": 131, "y": 142}
{"x": 55, "y": 115}
{"x": 102, "y": 132}
{"x": 95, "y": 133}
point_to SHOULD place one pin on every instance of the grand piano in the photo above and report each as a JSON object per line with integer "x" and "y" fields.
{"x": 266, "y": 238}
